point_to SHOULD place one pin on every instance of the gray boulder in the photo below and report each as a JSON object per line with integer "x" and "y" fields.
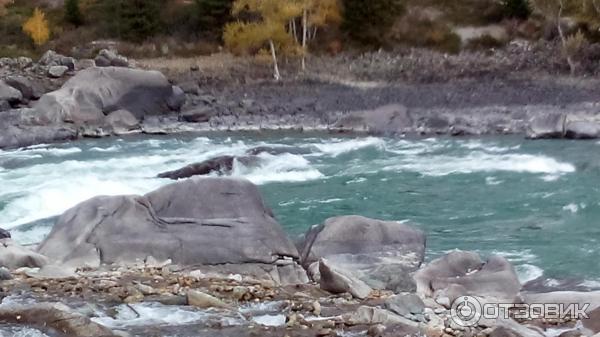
{"x": 339, "y": 281}
{"x": 383, "y": 254}
{"x": 462, "y": 273}
{"x": 9, "y": 94}
{"x": 20, "y": 136}
{"x": 589, "y": 299}
{"x": 29, "y": 90}
{"x": 110, "y": 58}
{"x": 389, "y": 119}
{"x": 212, "y": 221}
{"x": 14, "y": 256}
{"x": 582, "y": 129}
{"x": 52, "y": 318}
{"x": 592, "y": 322}
{"x": 221, "y": 165}
{"x": 4, "y": 234}
{"x": 405, "y": 305}
{"x": 547, "y": 126}
{"x": 52, "y": 58}
{"x": 57, "y": 71}
{"x": 95, "y": 92}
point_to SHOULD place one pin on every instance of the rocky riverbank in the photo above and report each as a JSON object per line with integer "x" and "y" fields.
{"x": 206, "y": 257}
{"x": 106, "y": 96}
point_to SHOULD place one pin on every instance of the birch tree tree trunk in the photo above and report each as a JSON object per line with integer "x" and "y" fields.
{"x": 304, "y": 36}
{"x": 276, "y": 73}
{"x": 563, "y": 39}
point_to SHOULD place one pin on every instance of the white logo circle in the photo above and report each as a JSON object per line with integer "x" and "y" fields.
{"x": 466, "y": 311}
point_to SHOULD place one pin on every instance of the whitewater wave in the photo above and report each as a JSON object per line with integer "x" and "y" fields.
{"x": 281, "y": 168}
{"x": 477, "y": 161}
{"x": 336, "y": 147}
{"x": 20, "y": 331}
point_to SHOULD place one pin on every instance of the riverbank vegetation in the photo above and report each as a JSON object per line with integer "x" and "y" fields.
{"x": 295, "y": 29}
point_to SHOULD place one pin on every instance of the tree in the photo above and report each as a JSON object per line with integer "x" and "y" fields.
{"x": 315, "y": 14}
{"x": 520, "y": 9}
{"x": 268, "y": 31}
{"x": 368, "y": 22}
{"x": 134, "y": 20}
{"x": 571, "y": 45}
{"x": 212, "y": 15}
{"x": 73, "y": 12}
{"x": 37, "y": 27}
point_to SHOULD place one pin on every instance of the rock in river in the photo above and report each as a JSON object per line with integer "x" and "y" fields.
{"x": 211, "y": 221}
{"x": 380, "y": 253}
{"x": 222, "y": 165}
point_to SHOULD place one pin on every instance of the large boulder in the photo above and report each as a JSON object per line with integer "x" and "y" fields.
{"x": 212, "y": 221}
{"x": 9, "y": 94}
{"x": 14, "y": 256}
{"x": 221, "y": 165}
{"x": 582, "y": 129}
{"x": 53, "y": 318}
{"x": 95, "y": 92}
{"x": 382, "y": 254}
{"x": 389, "y": 119}
{"x": 547, "y": 126}
{"x": 462, "y": 273}
{"x": 29, "y": 89}
{"x": 20, "y": 136}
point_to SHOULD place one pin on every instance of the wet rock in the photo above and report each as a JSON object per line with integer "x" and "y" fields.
{"x": 376, "y": 330}
{"x": 167, "y": 299}
{"x": 547, "y": 126}
{"x": 57, "y": 71}
{"x": 462, "y": 273}
{"x": 192, "y": 222}
{"x": 222, "y": 165}
{"x": 588, "y": 300}
{"x": 336, "y": 280}
{"x": 20, "y": 136}
{"x": 4, "y": 234}
{"x": 381, "y": 254}
{"x": 582, "y": 129}
{"x": 204, "y": 301}
{"x": 277, "y": 150}
{"x": 13, "y": 256}
{"x": 389, "y": 119}
{"x": 405, "y": 305}
{"x": 53, "y": 316}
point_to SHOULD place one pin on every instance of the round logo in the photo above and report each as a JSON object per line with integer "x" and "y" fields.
{"x": 466, "y": 311}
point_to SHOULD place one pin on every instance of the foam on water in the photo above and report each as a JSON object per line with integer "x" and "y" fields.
{"x": 20, "y": 331}
{"x": 282, "y": 168}
{"x": 156, "y": 314}
{"x": 477, "y": 161}
{"x": 528, "y": 272}
{"x": 336, "y": 147}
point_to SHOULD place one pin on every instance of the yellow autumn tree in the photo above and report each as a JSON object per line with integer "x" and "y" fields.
{"x": 267, "y": 32}
{"x": 316, "y": 14}
{"x": 37, "y": 27}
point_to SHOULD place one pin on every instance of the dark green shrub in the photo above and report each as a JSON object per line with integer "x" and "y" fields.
{"x": 368, "y": 22}
{"x": 212, "y": 15}
{"x": 516, "y": 9}
{"x": 73, "y": 13}
{"x": 133, "y": 20}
